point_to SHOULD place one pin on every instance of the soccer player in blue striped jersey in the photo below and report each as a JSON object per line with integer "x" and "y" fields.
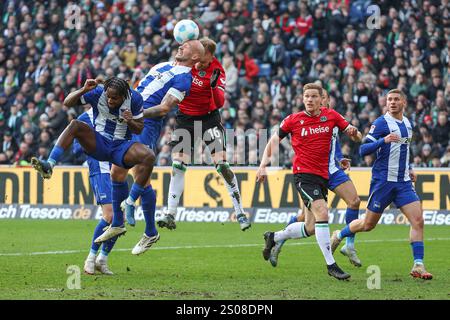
{"x": 164, "y": 86}
{"x": 100, "y": 180}
{"x": 117, "y": 113}
{"x": 342, "y": 186}
{"x": 392, "y": 179}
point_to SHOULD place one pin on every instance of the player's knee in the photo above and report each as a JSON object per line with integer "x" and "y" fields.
{"x": 354, "y": 202}
{"x": 225, "y": 170}
{"x": 149, "y": 159}
{"x": 417, "y": 222}
{"x": 368, "y": 226}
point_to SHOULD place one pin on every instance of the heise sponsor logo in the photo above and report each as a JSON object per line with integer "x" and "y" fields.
{"x": 317, "y": 130}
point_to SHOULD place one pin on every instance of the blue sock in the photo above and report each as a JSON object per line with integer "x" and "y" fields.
{"x": 345, "y": 232}
{"x": 148, "y": 201}
{"x": 55, "y": 155}
{"x": 350, "y": 215}
{"x": 108, "y": 245}
{"x": 97, "y": 232}
{"x": 292, "y": 220}
{"x": 418, "y": 251}
{"x": 119, "y": 193}
{"x": 135, "y": 192}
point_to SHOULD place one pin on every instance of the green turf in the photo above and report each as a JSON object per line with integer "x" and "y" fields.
{"x": 172, "y": 270}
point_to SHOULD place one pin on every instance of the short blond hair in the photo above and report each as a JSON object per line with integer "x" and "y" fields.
{"x": 398, "y": 91}
{"x": 209, "y": 45}
{"x": 310, "y": 86}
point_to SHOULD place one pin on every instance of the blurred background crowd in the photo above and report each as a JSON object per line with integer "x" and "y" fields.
{"x": 269, "y": 49}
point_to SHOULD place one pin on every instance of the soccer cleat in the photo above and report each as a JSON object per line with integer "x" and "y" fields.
{"x": 102, "y": 266}
{"x": 270, "y": 243}
{"x": 351, "y": 255}
{"x": 243, "y": 222}
{"x": 418, "y": 271}
{"x": 89, "y": 266}
{"x": 338, "y": 273}
{"x": 275, "y": 252}
{"x": 144, "y": 244}
{"x": 335, "y": 241}
{"x": 129, "y": 212}
{"x": 167, "y": 221}
{"x": 43, "y": 167}
{"x": 110, "y": 232}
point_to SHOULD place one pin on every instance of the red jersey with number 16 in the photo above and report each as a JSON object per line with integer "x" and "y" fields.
{"x": 311, "y": 139}
{"x": 200, "y": 100}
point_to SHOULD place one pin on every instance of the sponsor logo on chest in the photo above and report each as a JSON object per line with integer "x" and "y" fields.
{"x": 313, "y": 131}
{"x": 197, "y": 81}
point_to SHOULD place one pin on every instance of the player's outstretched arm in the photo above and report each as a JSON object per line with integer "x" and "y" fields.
{"x": 353, "y": 133}
{"x": 162, "y": 109}
{"x": 269, "y": 151}
{"x": 371, "y": 146}
{"x": 73, "y": 99}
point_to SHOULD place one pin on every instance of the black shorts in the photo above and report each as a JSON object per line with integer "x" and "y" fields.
{"x": 212, "y": 132}
{"x": 311, "y": 187}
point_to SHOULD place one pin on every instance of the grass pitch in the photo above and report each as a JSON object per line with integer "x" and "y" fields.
{"x": 212, "y": 261}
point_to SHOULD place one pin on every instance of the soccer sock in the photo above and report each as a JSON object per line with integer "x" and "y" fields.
{"x": 345, "y": 232}
{"x": 135, "y": 192}
{"x": 119, "y": 193}
{"x": 97, "y": 232}
{"x": 55, "y": 155}
{"x": 418, "y": 251}
{"x": 292, "y": 220}
{"x": 323, "y": 239}
{"x": 176, "y": 186}
{"x": 107, "y": 247}
{"x": 148, "y": 201}
{"x": 350, "y": 215}
{"x": 293, "y": 231}
{"x": 232, "y": 186}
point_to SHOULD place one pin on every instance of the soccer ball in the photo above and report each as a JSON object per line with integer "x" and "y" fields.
{"x": 185, "y": 30}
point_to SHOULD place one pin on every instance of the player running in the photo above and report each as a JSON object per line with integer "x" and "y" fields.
{"x": 164, "y": 86}
{"x": 100, "y": 181}
{"x": 206, "y": 97}
{"x": 117, "y": 113}
{"x": 311, "y": 131}
{"x": 342, "y": 186}
{"x": 392, "y": 178}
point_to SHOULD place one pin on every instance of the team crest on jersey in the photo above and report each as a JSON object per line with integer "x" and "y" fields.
{"x": 372, "y": 129}
{"x": 202, "y": 73}
{"x": 323, "y": 119}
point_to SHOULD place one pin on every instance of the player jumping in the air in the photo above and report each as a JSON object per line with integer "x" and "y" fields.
{"x": 342, "y": 186}
{"x": 117, "y": 113}
{"x": 201, "y": 106}
{"x": 311, "y": 131}
{"x": 165, "y": 85}
{"x": 392, "y": 178}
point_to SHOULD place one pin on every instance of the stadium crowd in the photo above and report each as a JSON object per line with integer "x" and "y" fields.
{"x": 268, "y": 48}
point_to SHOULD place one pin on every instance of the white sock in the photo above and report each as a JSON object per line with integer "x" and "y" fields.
{"x": 235, "y": 195}
{"x": 323, "y": 239}
{"x": 295, "y": 230}
{"x": 176, "y": 186}
{"x": 102, "y": 257}
{"x": 91, "y": 256}
{"x": 129, "y": 201}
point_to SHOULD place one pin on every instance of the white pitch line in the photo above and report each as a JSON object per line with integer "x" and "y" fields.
{"x": 203, "y": 247}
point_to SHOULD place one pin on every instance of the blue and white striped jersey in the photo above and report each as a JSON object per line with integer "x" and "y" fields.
{"x": 95, "y": 167}
{"x": 335, "y": 153}
{"x": 392, "y": 159}
{"x": 109, "y": 122}
{"x": 165, "y": 78}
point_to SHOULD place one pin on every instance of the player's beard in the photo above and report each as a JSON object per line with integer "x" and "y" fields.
{"x": 181, "y": 59}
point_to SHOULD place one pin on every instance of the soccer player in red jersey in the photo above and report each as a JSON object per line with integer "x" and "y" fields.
{"x": 311, "y": 132}
{"x": 200, "y": 108}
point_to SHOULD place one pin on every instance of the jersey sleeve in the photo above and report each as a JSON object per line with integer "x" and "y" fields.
{"x": 181, "y": 86}
{"x": 340, "y": 121}
{"x": 222, "y": 79}
{"x": 92, "y": 96}
{"x": 377, "y": 130}
{"x": 285, "y": 127}
{"x": 137, "y": 103}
